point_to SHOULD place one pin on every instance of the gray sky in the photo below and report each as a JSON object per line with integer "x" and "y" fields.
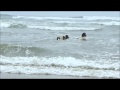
{"x": 63, "y": 13}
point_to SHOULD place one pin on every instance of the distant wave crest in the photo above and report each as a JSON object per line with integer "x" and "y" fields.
{"x": 60, "y": 23}
{"x": 17, "y": 26}
{"x": 16, "y": 50}
{"x": 5, "y": 16}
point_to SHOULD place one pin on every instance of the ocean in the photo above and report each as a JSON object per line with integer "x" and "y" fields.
{"x": 29, "y": 45}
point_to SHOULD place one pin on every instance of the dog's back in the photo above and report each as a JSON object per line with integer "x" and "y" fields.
{"x": 58, "y": 38}
{"x": 63, "y": 37}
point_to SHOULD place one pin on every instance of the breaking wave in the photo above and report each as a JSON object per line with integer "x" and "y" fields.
{"x": 17, "y": 50}
{"x": 17, "y": 26}
{"x": 59, "y": 66}
{"x": 60, "y": 23}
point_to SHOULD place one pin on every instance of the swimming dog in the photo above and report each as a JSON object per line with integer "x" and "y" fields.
{"x": 83, "y": 36}
{"x": 63, "y": 37}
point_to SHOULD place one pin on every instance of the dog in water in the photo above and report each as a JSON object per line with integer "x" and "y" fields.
{"x": 83, "y": 36}
{"x": 63, "y": 37}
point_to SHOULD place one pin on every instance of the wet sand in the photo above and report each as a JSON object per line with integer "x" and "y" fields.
{"x": 33, "y": 76}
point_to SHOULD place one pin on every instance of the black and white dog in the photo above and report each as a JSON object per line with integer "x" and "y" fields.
{"x": 83, "y": 36}
{"x": 63, "y": 37}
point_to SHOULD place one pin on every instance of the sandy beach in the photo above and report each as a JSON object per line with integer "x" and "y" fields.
{"x": 31, "y": 76}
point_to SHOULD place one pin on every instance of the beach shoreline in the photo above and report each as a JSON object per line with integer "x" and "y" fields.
{"x": 40, "y": 76}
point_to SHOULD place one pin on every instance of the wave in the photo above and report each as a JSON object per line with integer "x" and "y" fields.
{"x": 63, "y": 28}
{"x": 12, "y": 24}
{"x": 60, "y": 62}
{"x": 59, "y": 23}
{"x": 59, "y": 66}
{"x": 101, "y": 18}
{"x": 109, "y": 23}
{"x": 41, "y": 18}
{"x": 17, "y": 26}
{"x": 17, "y": 50}
{"x": 5, "y": 16}
{"x": 78, "y": 17}
{"x": 69, "y": 18}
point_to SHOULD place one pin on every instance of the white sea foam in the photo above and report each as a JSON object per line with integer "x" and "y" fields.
{"x": 41, "y": 18}
{"x": 64, "y": 28}
{"x": 7, "y": 24}
{"x": 65, "y": 22}
{"x": 101, "y": 18}
{"x": 109, "y": 23}
{"x": 60, "y": 66}
{"x": 60, "y": 71}
{"x": 70, "y": 18}
{"x": 65, "y": 61}
{"x": 15, "y": 17}
{"x": 4, "y": 24}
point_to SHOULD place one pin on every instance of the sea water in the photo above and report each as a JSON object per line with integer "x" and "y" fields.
{"x": 29, "y": 45}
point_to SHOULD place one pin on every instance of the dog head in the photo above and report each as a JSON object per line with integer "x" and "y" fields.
{"x": 84, "y": 35}
{"x": 66, "y": 36}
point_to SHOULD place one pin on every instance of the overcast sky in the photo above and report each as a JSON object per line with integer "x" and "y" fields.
{"x": 63, "y": 13}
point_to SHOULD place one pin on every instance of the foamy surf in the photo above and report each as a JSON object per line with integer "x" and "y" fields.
{"x": 60, "y": 71}
{"x": 71, "y": 18}
{"x": 59, "y": 66}
{"x": 60, "y": 23}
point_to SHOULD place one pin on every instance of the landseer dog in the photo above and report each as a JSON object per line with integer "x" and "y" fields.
{"x": 83, "y": 36}
{"x": 63, "y": 37}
